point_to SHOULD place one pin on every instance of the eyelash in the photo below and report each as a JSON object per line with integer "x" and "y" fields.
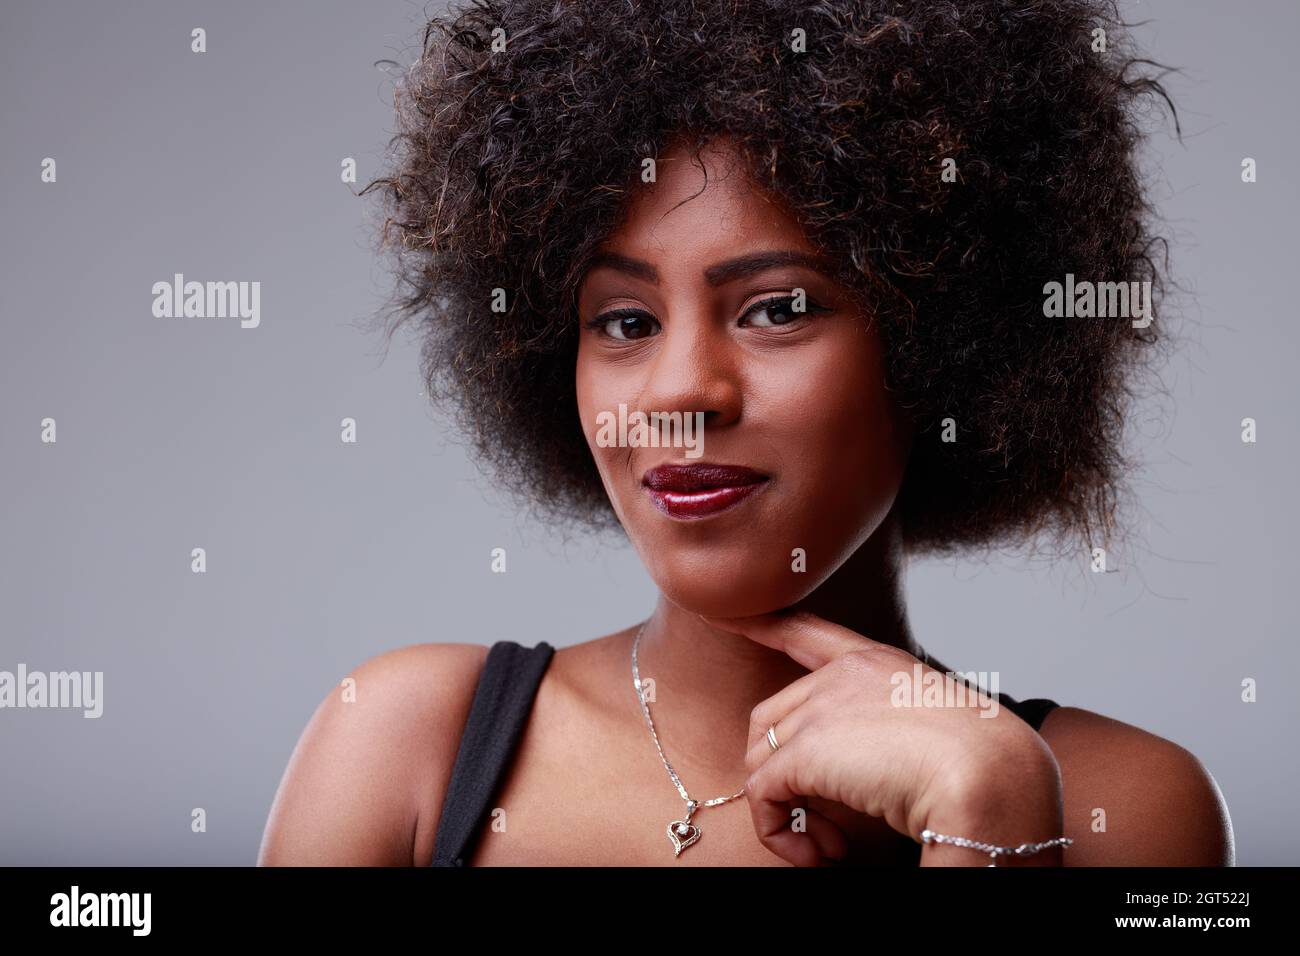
{"x": 600, "y": 321}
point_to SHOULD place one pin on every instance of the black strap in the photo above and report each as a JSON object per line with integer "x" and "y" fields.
{"x": 502, "y": 703}
{"x": 1032, "y": 711}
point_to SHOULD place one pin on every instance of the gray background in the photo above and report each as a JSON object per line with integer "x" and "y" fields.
{"x": 179, "y": 433}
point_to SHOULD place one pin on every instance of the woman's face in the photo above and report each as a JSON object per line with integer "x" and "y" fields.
{"x": 802, "y": 450}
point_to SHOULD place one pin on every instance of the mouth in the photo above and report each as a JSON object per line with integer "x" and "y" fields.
{"x": 700, "y": 490}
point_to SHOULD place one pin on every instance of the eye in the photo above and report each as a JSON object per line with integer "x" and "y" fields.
{"x": 780, "y": 311}
{"x": 625, "y": 324}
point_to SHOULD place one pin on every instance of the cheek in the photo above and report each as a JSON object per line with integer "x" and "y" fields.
{"x": 587, "y": 389}
{"x": 845, "y": 454}
{"x": 596, "y": 392}
{"x": 599, "y": 391}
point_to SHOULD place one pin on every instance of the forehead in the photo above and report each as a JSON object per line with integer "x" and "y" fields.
{"x": 703, "y": 207}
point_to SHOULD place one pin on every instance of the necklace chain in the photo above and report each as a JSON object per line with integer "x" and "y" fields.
{"x": 645, "y": 709}
{"x": 682, "y": 833}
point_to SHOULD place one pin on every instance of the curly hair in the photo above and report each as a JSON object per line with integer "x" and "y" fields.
{"x": 522, "y": 127}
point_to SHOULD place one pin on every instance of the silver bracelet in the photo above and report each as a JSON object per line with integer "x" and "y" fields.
{"x": 1025, "y": 849}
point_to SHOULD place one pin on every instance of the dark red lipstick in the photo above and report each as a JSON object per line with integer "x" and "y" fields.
{"x": 700, "y": 490}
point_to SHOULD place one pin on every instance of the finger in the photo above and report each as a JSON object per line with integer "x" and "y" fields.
{"x": 773, "y": 806}
{"x": 832, "y": 843}
{"x": 787, "y": 713}
{"x": 779, "y": 706}
{"x": 811, "y": 640}
{"x": 819, "y": 841}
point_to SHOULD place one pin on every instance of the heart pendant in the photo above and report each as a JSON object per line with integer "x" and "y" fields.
{"x": 682, "y": 834}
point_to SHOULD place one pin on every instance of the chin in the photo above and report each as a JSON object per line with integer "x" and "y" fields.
{"x": 727, "y": 601}
{"x": 729, "y": 585}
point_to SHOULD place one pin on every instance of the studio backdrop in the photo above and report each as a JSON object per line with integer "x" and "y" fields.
{"x": 216, "y": 518}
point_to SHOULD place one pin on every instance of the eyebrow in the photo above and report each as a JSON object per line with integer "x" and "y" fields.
{"x": 724, "y": 272}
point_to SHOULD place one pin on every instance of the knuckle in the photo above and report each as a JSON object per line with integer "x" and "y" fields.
{"x": 801, "y": 621}
{"x": 804, "y": 622}
{"x": 802, "y": 617}
{"x": 857, "y": 663}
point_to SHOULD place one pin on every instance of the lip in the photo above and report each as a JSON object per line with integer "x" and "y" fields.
{"x": 700, "y": 490}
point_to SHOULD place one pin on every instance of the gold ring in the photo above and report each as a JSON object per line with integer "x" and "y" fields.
{"x": 771, "y": 738}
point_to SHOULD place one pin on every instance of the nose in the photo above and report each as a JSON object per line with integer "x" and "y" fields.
{"x": 695, "y": 368}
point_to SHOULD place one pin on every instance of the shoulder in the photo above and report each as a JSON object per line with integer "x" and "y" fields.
{"x": 355, "y": 791}
{"x": 1132, "y": 798}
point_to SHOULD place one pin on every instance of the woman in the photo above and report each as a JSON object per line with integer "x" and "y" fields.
{"x": 823, "y": 235}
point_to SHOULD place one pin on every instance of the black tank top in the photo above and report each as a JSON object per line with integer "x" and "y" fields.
{"x": 502, "y": 702}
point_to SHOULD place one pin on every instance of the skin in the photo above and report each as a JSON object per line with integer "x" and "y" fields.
{"x": 739, "y": 641}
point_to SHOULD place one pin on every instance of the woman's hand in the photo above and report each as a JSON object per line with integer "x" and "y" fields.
{"x": 848, "y": 733}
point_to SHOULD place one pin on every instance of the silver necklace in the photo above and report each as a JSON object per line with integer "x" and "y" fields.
{"x": 682, "y": 833}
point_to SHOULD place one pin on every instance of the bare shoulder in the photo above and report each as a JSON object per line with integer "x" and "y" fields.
{"x": 356, "y": 788}
{"x": 1132, "y": 798}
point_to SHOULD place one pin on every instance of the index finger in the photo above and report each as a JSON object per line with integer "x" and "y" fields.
{"x": 811, "y": 640}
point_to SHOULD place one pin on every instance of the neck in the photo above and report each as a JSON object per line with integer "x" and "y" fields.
{"x": 706, "y": 681}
